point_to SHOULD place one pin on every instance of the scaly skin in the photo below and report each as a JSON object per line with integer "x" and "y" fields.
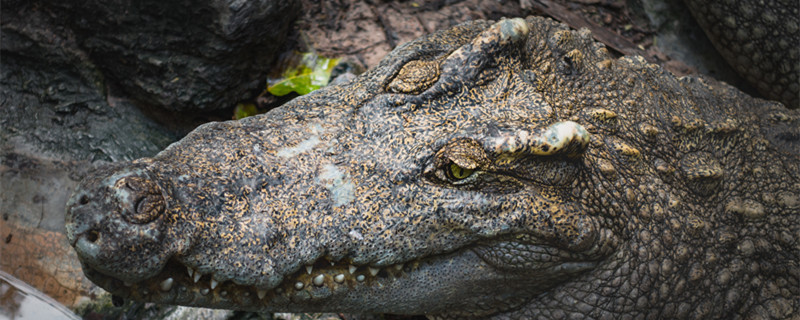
{"x": 508, "y": 171}
{"x": 759, "y": 39}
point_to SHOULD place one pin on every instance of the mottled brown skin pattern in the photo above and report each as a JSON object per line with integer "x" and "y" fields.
{"x": 759, "y": 39}
{"x": 505, "y": 171}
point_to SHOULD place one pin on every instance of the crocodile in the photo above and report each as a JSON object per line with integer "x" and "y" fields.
{"x": 494, "y": 170}
{"x": 759, "y": 39}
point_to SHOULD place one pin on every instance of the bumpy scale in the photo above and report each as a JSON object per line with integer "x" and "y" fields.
{"x": 507, "y": 170}
{"x": 760, "y": 39}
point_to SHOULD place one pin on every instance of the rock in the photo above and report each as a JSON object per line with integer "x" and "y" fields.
{"x": 54, "y": 101}
{"x": 182, "y": 55}
{"x": 56, "y": 123}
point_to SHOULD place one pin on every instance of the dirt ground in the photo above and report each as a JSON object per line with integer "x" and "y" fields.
{"x": 365, "y": 31}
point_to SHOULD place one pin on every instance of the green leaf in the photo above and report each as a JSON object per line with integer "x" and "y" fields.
{"x": 244, "y": 110}
{"x": 305, "y": 72}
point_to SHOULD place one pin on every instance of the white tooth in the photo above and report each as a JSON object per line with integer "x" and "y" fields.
{"x": 190, "y": 271}
{"x": 204, "y": 291}
{"x": 166, "y": 285}
{"x": 318, "y": 280}
{"x": 331, "y": 263}
{"x": 261, "y": 293}
{"x": 309, "y": 269}
{"x": 214, "y": 283}
{"x": 398, "y": 266}
{"x": 339, "y": 278}
{"x": 373, "y": 271}
{"x": 360, "y": 278}
{"x": 197, "y": 276}
{"x": 352, "y": 269}
{"x": 298, "y": 285}
{"x": 127, "y": 284}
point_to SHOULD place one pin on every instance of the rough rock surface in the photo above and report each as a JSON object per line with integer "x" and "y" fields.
{"x": 515, "y": 157}
{"x": 181, "y": 55}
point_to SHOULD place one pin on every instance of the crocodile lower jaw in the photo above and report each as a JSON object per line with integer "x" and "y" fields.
{"x": 459, "y": 281}
{"x": 181, "y": 284}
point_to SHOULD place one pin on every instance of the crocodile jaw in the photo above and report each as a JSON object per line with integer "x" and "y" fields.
{"x": 435, "y": 285}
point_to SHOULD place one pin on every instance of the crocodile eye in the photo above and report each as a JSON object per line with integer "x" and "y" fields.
{"x": 459, "y": 173}
{"x": 459, "y": 162}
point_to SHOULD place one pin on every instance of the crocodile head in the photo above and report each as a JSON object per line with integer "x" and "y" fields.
{"x": 493, "y": 168}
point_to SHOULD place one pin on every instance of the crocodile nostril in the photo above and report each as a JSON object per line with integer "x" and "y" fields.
{"x": 83, "y": 200}
{"x": 93, "y": 236}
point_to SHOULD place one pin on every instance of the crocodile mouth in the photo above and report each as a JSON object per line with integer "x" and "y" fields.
{"x": 414, "y": 287}
{"x": 181, "y": 284}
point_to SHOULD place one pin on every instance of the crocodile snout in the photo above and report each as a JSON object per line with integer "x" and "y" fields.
{"x": 115, "y": 223}
{"x": 135, "y": 199}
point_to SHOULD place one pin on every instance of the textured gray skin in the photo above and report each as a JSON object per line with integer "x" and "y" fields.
{"x": 507, "y": 171}
{"x": 759, "y": 39}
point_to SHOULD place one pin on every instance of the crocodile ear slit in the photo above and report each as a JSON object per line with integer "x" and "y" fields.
{"x": 561, "y": 138}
